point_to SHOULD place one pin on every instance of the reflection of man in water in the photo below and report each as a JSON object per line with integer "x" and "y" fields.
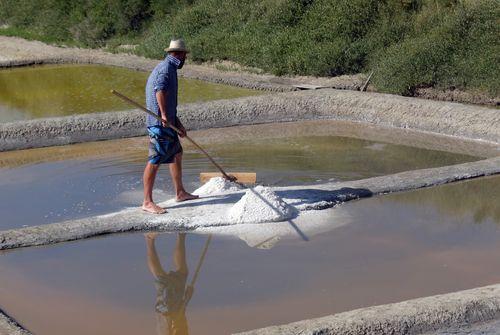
{"x": 172, "y": 292}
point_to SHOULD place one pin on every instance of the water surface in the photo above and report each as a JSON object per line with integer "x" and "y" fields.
{"x": 390, "y": 248}
{"x": 373, "y": 251}
{"x": 58, "y": 90}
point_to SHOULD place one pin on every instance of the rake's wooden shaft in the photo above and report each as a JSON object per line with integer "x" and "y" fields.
{"x": 198, "y": 267}
{"x": 132, "y": 102}
{"x": 202, "y": 258}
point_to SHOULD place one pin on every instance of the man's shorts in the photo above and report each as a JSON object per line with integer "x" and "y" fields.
{"x": 170, "y": 291}
{"x": 164, "y": 144}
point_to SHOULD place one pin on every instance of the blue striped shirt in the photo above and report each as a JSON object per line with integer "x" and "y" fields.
{"x": 163, "y": 78}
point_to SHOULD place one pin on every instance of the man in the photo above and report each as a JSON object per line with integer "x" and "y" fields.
{"x": 164, "y": 146}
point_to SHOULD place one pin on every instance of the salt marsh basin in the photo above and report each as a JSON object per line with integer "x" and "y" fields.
{"x": 59, "y": 90}
{"x": 97, "y": 178}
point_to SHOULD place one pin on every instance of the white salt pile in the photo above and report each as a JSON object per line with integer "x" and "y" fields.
{"x": 260, "y": 204}
{"x": 217, "y": 185}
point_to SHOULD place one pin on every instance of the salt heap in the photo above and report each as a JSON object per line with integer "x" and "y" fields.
{"x": 217, "y": 185}
{"x": 260, "y": 204}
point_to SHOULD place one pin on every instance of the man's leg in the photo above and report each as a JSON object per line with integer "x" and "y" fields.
{"x": 149, "y": 180}
{"x": 176, "y": 173}
{"x": 180, "y": 254}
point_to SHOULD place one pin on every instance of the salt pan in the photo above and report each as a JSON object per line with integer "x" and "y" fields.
{"x": 260, "y": 204}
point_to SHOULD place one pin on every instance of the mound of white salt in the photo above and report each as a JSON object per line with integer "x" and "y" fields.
{"x": 217, "y": 185}
{"x": 260, "y": 204}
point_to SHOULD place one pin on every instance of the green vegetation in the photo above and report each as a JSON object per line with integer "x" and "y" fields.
{"x": 26, "y": 34}
{"x": 408, "y": 43}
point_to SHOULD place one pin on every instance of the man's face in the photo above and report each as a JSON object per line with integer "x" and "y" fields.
{"x": 180, "y": 55}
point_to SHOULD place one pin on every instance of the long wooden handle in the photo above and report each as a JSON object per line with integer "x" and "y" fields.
{"x": 132, "y": 102}
{"x": 198, "y": 267}
{"x": 200, "y": 262}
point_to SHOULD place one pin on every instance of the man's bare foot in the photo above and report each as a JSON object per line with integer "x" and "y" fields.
{"x": 184, "y": 196}
{"x": 153, "y": 208}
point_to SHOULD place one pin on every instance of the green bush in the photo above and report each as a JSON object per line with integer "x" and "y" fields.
{"x": 90, "y": 22}
{"x": 445, "y": 49}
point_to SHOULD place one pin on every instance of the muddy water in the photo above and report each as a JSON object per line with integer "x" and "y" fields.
{"x": 88, "y": 179}
{"x": 390, "y": 248}
{"x": 57, "y": 90}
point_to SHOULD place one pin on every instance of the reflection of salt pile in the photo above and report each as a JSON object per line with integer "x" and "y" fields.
{"x": 266, "y": 244}
{"x": 217, "y": 185}
{"x": 260, "y": 204}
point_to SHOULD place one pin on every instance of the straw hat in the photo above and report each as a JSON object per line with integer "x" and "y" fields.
{"x": 177, "y": 45}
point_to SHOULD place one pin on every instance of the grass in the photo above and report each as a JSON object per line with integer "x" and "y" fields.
{"x": 27, "y": 34}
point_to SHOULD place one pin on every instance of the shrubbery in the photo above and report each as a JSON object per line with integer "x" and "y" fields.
{"x": 88, "y": 22}
{"x": 408, "y": 43}
{"x": 454, "y": 47}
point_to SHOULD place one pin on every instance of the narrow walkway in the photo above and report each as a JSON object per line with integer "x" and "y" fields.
{"x": 417, "y": 316}
{"x": 210, "y": 211}
{"x": 487, "y": 328}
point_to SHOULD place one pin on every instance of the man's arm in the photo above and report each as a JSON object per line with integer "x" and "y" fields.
{"x": 161, "y": 97}
{"x": 153, "y": 259}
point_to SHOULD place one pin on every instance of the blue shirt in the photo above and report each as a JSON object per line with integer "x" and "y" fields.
{"x": 163, "y": 78}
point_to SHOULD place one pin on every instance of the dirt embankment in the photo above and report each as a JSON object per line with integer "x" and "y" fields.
{"x": 313, "y": 197}
{"x": 9, "y": 326}
{"x": 476, "y": 98}
{"x": 416, "y": 316}
{"x": 446, "y": 118}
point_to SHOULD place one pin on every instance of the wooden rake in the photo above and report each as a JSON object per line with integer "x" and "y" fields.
{"x": 240, "y": 177}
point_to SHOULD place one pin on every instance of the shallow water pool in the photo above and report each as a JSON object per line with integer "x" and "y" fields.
{"x": 379, "y": 250}
{"x": 58, "y": 90}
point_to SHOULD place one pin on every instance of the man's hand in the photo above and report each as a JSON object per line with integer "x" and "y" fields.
{"x": 164, "y": 122}
{"x": 189, "y": 293}
{"x": 182, "y": 131}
